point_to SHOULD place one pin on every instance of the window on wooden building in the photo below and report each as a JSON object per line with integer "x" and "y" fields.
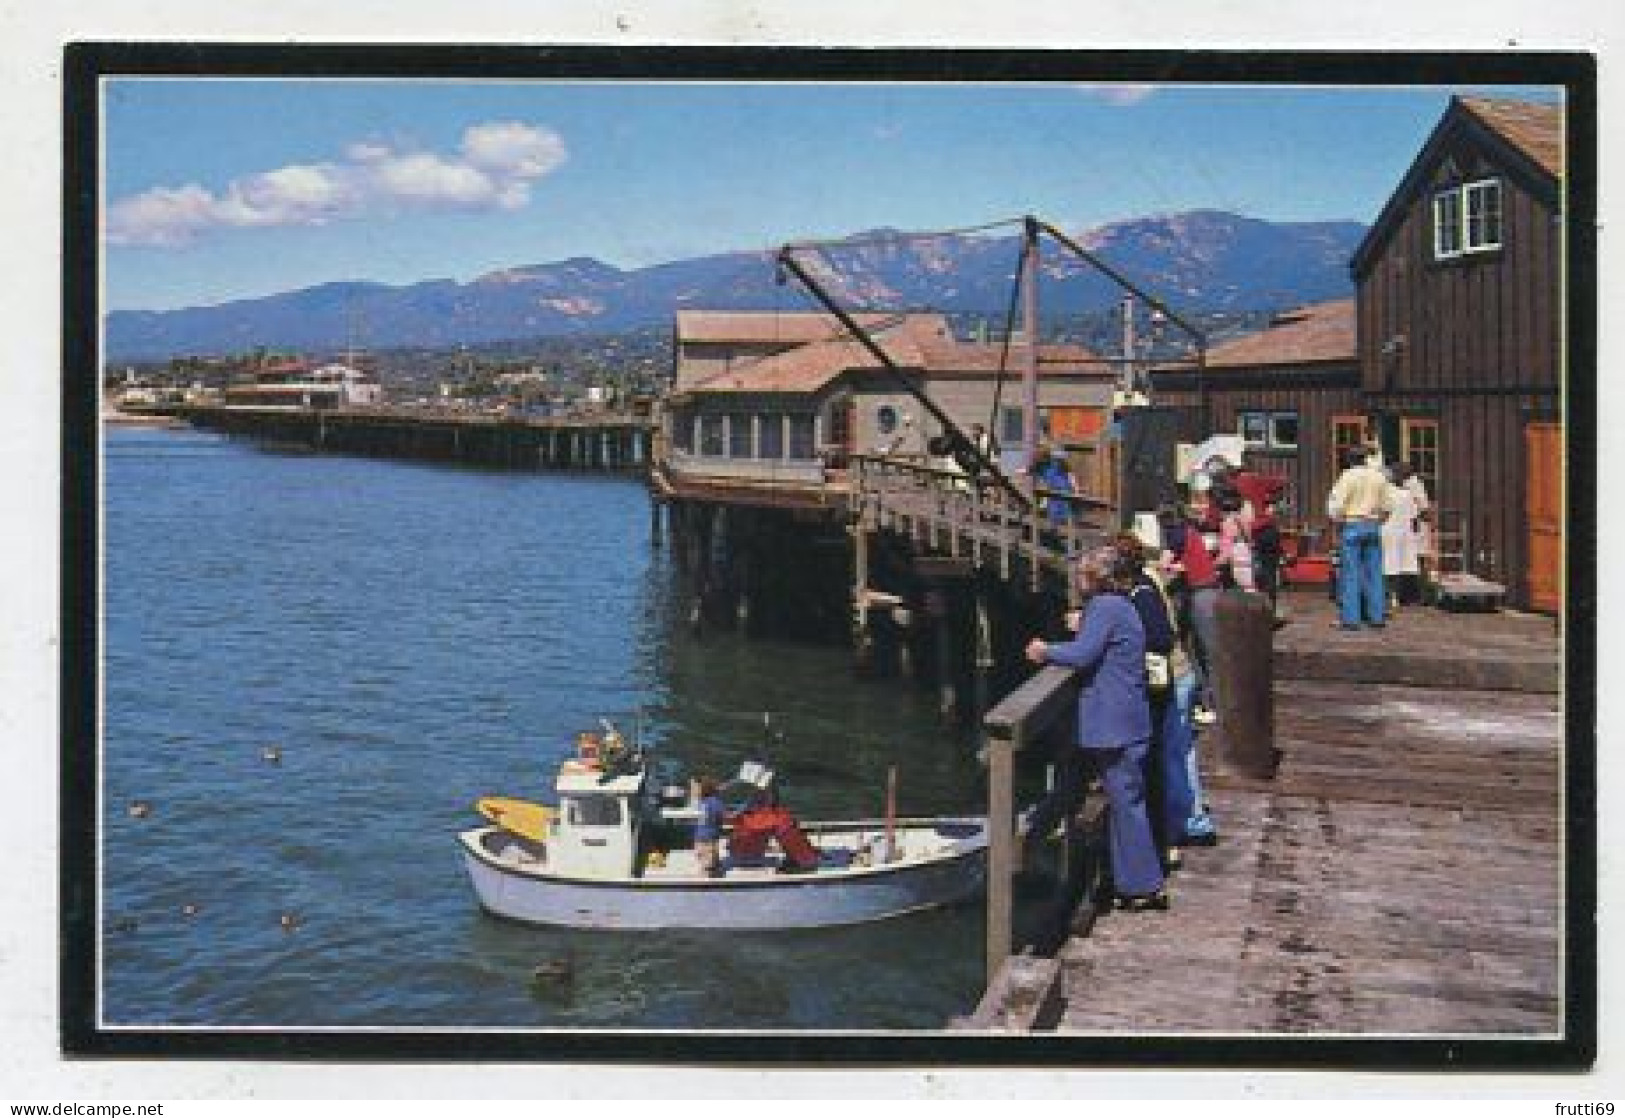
{"x": 1419, "y": 444}
{"x": 1010, "y": 433}
{"x": 1254, "y": 428}
{"x": 739, "y": 435}
{"x": 711, "y": 434}
{"x": 1268, "y": 430}
{"x": 1349, "y": 432}
{"x": 801, "y": 436}
{"x": 772, "y": 437}
{"x": 1284, "y": 430}
{"x": 1467, "y": 219}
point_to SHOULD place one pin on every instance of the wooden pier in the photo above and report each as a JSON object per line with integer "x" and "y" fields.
{"x": 945, "y": 514}
{"x": 616, "y": 442}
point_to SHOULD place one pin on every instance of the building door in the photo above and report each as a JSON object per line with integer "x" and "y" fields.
{"x": 1543, "y": 510}
{"x": 1349, "y": 432}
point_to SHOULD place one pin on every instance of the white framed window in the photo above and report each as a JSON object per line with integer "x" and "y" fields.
{"x": 1268, "y": 430}
{"x": 1483, "y": 205}
{"x": 1284, "y": 430}
{"x": 1010, "y": 432}
{"x": 711, "y": 434}
{"x": 739, "y": 435}
{"x": 1467, "y": 219}
{"x": 772, "y": 441}
{"x": 802, "y": 435}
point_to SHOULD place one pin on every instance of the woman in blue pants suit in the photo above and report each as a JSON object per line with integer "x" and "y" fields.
{"x": 1114, "y": 721}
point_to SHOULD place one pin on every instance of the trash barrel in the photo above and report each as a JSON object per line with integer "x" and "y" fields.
{"x": 1245, "y": 684}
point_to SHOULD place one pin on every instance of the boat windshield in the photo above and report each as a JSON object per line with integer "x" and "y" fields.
{"x": 593, "y": 811}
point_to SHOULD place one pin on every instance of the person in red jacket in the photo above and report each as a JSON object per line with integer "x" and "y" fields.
{"x": 764, "y": 821}
{"x": 1261, "y": 494}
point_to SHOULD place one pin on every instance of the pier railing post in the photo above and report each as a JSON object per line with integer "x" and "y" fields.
{"x": 1021, "y": 717}
{"x": 1001, "y": 848}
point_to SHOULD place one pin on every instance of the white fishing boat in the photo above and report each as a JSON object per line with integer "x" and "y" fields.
{"x": 617, "y": 852}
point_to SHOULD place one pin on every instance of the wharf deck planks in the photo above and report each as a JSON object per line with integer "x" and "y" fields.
{"x": 1398, "y": 877}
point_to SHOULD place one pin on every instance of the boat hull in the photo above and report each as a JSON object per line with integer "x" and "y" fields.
{"x": 742, "y": 901}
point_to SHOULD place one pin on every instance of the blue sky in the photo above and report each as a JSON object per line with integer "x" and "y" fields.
{"x": 223, "y": 189}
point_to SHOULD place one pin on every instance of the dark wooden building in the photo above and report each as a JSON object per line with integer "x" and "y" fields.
{"x": 1291, "y": 390}
{"x": 1459, "y": 290}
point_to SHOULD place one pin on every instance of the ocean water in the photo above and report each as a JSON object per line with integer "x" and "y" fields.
{"x": 409, "y": 638}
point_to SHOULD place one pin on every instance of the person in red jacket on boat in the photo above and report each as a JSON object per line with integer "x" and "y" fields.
{"x": 767, "y": 820}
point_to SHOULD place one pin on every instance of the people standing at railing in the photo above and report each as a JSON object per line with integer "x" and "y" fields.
{"x": 1052, "y": 480}
{"x": 1168, "y": 798}
{"x": 1113, "y": 729}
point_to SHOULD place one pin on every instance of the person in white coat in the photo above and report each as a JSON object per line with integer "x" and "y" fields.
{"x": 1402, "y": 540}
{"x": 1412, "y": 481}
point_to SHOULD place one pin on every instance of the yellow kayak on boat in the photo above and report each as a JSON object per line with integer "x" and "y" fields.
{"x": 521, "y": 817}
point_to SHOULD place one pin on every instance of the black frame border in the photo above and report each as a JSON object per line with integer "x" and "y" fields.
{"x": 86, "y": 64}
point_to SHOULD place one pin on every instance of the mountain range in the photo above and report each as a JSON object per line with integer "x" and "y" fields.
{"x": 1203, "y": 260}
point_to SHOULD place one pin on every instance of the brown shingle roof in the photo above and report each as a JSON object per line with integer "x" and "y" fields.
{"x": 1305, "y": 336}
{"x": 1534, "y": 128}
{"x": 985, "y": 357}
{"x": 808, "y": 368}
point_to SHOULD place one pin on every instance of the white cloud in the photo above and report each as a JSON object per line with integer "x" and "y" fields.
{"x": 496, "y": 166}
{"x": 163, "y": 217}
{"x": 1121, "y": 94}
{"x": 513, "y": 149}
{"x": 422, "y": 178}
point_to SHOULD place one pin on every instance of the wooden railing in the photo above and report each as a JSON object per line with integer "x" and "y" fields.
{"x": 1020, "y": 719}
{"x": 1022, "y": 991}
{"x": 976, "y": 519}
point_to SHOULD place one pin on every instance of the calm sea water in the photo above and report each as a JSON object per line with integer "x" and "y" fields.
{"x": 410, "y": 638}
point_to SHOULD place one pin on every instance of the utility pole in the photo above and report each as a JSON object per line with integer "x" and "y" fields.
{"x": 1128, "y": 378}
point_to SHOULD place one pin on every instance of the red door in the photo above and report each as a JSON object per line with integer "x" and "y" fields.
{"x": 1543, "y": 508}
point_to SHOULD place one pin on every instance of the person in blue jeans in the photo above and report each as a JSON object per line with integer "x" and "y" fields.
{"x": 1114, "y": 724}
{"x": 1179, "y": 734}
{"x": 1359, "y": 502}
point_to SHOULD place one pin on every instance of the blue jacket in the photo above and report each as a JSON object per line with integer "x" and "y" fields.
{"x": 712, "y": 816}
{"x": 1052, "y": 476}
{"x": 1109, "y": 651}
